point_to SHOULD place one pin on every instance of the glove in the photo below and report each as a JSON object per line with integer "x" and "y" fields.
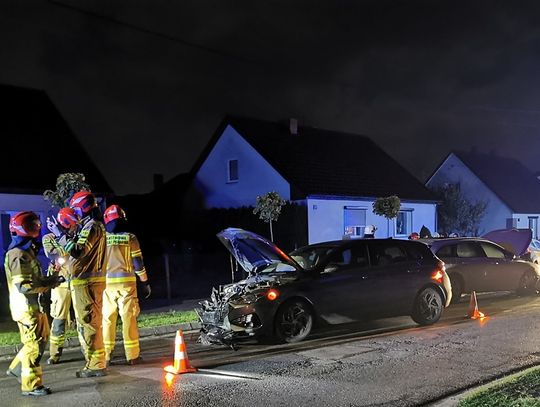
{"x": 54, "y": 281}
{"x": 52, "y": 225}
{"x": 146, "y": 289}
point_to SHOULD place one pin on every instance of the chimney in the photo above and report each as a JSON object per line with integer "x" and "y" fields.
{"x": 293, "y": 126}
{"x": 158, "y": 180}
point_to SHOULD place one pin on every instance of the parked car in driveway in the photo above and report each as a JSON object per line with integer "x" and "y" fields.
{"x": 477, "y": 264}
{"x": 285, "y": 295}
{"x": 533, "y": 252}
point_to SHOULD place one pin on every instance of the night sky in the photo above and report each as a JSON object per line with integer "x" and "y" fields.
{"x": 144, "y": 83}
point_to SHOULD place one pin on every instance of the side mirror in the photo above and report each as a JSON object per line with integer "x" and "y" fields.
{"x": 330, "y": 268}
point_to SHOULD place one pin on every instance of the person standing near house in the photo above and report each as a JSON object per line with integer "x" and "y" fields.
{"x": 25, "y": 282}
{"x": 88, "y": 251}
{"x": 62, "y": 228}
{"x": 125, "y": 264}
{"x": 369, "y": 232}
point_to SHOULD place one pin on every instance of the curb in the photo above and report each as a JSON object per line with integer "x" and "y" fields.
{"x": 188, "y": 327}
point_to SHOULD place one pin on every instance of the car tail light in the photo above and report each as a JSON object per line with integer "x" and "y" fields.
{"x": 438, "y": 273}
{"x": 272, "y": 294}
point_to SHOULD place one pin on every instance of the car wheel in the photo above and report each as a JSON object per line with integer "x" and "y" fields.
{"x": 428, "y": 307}
{"x": 294, "y": 321}
{"x": 527, "y": 284}
{"x": 457, "y": 288}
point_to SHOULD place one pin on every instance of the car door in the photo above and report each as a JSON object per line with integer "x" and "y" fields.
{"x": 393, "y": 278}
{"x": 341, "y": 290}
{"x": 471, "y": 263}
{"x": 502, "y": 272}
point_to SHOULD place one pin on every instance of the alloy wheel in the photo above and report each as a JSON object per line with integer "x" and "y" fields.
{"x": 428, "y": 307}
{"x": 294, "y": 322}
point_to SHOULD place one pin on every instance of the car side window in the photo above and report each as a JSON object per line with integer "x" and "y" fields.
{"x": 381, "y": 255}
{"x": 351, "y": 256}
{"x": 341, "y": 257}
{"x": 447, "y": 251}
{"x": 469, "y": 249}
{"x": 492, "y": 251}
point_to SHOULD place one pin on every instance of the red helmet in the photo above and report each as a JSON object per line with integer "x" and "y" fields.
{"x": 67, "y": 217}
{"x": 113, "y": 212}
{"x": 25, "y": 224}
{"x": 83, "y": 202}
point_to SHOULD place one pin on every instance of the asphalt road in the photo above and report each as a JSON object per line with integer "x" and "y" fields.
{"x": 387, "y": 362}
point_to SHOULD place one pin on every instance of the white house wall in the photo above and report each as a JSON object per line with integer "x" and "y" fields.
{"x": 326, "y": 218}
{"x": 255, "y": 175}
{"x": 454, "y": 171}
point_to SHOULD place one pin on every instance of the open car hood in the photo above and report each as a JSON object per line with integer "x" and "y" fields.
{"x": 252, "y": 251}
{"x": 514, "y": 240}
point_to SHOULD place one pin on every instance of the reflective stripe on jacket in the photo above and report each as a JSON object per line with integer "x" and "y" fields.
{"x": 124, "y": 258}
{"x": 23, "y": 271}
{"x": 54, "y": 250}
{"x": 89, "y": 253}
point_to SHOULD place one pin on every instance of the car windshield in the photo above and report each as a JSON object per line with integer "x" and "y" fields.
{"x": 309, "y": 257}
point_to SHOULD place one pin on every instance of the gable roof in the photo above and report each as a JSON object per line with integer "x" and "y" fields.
{"x": 38, "y": 145}
{"x": 325, "y": 162}
{"x": 509, "y": 179}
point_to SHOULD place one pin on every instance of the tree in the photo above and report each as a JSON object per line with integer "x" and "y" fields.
{"x": 387, "y": 207}
{"x": 269, "y": 207}
{"x": 456, "y": 214}
{"x": 66, "y": 185}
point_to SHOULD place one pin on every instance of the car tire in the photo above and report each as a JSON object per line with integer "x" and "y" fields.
{"x": 428, "y": 306}
{"x": 527, "y": 284}
{"x": 294, "y": 321}
{"x": 457, "y": 288}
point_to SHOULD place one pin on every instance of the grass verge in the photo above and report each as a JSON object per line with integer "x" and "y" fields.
{"x": 522, "y": 390}
{"x": 10, "y": 336}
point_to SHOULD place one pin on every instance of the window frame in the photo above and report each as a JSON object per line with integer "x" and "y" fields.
{"x": 408, "y": 231}
{"x": 358, "y": 229}
{"x": 230, "y": 180}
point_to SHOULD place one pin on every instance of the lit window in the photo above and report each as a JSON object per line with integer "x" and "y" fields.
{"x": 404, "y": 223}
{"x": 354, "y": 221}
{"x": 232, "y": 171}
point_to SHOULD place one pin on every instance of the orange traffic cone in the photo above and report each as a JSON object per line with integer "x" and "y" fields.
{"x": 181, "y": 361}
{"x": 473, "y": 312}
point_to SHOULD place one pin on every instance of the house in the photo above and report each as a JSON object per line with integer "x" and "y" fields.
{"x": 511, "y": 190}
{"x": 335, "y": 176}
{"x": 37, "y": 145}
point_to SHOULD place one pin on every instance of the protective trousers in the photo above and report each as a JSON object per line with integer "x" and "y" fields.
{"x": 121, "y": 300}
{"x": 87, "y": 302}
{"x": 34, "y": 333}
{"x": 60, "y": 307}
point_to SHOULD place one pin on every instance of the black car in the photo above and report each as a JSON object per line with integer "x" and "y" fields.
{"x": 336, "y": 282}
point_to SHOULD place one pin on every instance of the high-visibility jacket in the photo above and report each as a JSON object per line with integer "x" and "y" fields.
{"x": 54, "y": 250}
{"x": 124, "y": 259}
{"x": 25, "y": 282}
{"x": 88, "y": 250}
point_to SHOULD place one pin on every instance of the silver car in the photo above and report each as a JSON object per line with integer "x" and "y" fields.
{"x": 476, "y": 264}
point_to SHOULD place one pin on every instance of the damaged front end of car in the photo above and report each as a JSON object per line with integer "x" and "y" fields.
{"x": 245, "y": 309}
{"x": 237, "y": 311}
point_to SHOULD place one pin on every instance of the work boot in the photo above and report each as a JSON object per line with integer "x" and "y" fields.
{"x": 136, "y": 361}
{"x": 11, "y": 373}
{"x": 90, "y": 373}
{"x": 38, "y": 391}
{"x": 53, "y": 360}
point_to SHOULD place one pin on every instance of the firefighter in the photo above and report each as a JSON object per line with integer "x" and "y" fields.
{"x": 62, "y": 227}
{"x": 88, "y": 252}
{"x": 125, "y": 264}
{"x": 25, "y": 282}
